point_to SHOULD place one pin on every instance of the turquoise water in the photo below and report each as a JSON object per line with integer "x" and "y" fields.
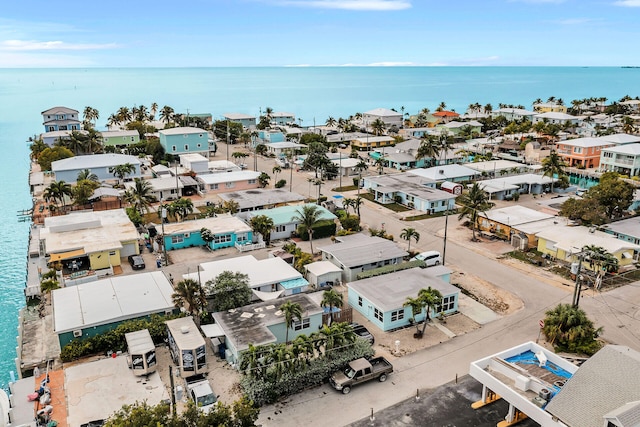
{"x": 313, "y": 94}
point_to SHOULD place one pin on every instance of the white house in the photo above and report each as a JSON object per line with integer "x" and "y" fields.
{"x": 389, "y": 117}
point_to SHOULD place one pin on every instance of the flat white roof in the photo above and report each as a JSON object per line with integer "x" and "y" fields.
{"x": 556, "y": 115}
{"x": 632, "y": 149}
{"x": 319, "y": 268}
{"x": 261, "y": 272}
{"x": 110, "y": 300}
{"x": 238, "y": 116}
{"x": 217, "y": 225}
{"x": 193, "y": 157}
{"x": 160, "y": 184}
{"x": 515, "y": 215}
{"x": 219, "y": 178}
{"x": 585, "y": 142}
{"x": 93, "y": 161}
{"x": 116, "y": 133}
{"x": 382, "y": 112}
{"x": 182, "y": 131}
{"x": 494, "y": 165}
{"x": 448, "y": 172}
{"x": 621, "y": 138}
{"x": 573, "y": 239}
{"x": 185, "y": 333}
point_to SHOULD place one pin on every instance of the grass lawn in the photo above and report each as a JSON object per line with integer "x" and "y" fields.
{"x": 344, "y": 188}
{"x": 427, "y": 216}
{"x": 391, "y": 206}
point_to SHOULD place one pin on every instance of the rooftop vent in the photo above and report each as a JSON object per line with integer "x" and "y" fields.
{"x": 184, "y": 329}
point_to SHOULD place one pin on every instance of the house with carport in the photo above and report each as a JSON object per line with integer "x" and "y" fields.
{"x": 228, "y": 231}
{"x": 565, "y": 243}
{"x": 369, "y": 143}
{"x": 90, "y": 309}
{"x": 451, "y": 173}
{"x": 164, "y": 188}
{"x": 381, "y": 299}
{"x": 269, "y": 278}
{"x": 285, "y": 226}
{"x": 101, "y": 165}
{"x": 411, "y": 190}
{"x": 356, "y": 253}
{"x": 88, "y": 244}
{"x": 263, "y": 323}
{"x": 509, "y": 187}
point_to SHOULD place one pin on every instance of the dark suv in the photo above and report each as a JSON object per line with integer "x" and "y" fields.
{"x": 137, "y": 262}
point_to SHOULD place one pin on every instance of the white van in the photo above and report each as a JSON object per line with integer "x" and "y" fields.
{"x": 430, "y": 258}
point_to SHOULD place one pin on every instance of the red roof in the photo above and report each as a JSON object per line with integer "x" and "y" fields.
{"x": 446, "y": 114}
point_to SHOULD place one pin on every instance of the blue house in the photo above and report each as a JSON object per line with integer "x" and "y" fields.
{"x": 381, "y": 299}
{"x": 270, "y": 136}
{"x": 411, "y": 190}
{"x": 283, "y": 220}
{"x": 226, "y": 229}
{"x": 60, "y": 118}
{"x": 264, "y": 323}
{"x": 184, "y": 140}
{"x": 100, "y": 164}
{"x": 246, "y": 120}
{"x": 626, "y": 229}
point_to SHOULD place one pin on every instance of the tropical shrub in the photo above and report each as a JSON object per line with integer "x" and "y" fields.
{"x": 324, "y": 228}
{"x": 281, "y": 183}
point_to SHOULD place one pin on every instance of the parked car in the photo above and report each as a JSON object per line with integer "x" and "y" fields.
{"x": 430, "y": 258}
{"x": 202, "y": 394}
{"x": 363, "y": 332}
{"x": 360, "y": 371}
{"x": 137, "y": 262}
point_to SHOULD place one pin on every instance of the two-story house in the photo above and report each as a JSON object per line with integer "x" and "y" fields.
{"x": 246, "y": 120}
{"x": 582, "y": 152}
{"x": 624, "y": 159}
{"x": 60, "y": 118}
{"x": 182, "y": 140}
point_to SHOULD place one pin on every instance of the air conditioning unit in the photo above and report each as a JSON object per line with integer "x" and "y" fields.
{"x": 77, "y": 333}
{"x": 544, "y": 393}
{"x": 187, "y": 235}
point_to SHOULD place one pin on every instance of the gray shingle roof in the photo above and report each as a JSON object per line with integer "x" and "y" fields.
{"x": 604, "y": 383}
{"x": 359, "y": 250}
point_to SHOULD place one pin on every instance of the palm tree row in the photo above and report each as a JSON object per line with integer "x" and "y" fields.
{"x": 124, "y": 115}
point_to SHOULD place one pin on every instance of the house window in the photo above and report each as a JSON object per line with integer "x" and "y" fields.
{"x": 199, "y": 145}
{"x": 397, "y": 315}
{"x": 577, "y": 150}
{"x": 186, "y": 147}
{"x": 132, "y": 139}
{"x": 360, "y": 301}
{"x": 177, "y": 239}
{"x": 378, "y": 314}
{"x": 251, "y": 181}
{"x": 229, "y": 185}
{"x": 213, "y": 186}
{"x": 447, "y": 304}
{"x": 200, "y": 136}
{"x": 280, "y": 228}
{"x": 174, "y": 148}
{"x": 300, "y": 325}
{"x": 241, "y": 238}
{"x": 112, "y": 253}
{"x": 222, "y": 239}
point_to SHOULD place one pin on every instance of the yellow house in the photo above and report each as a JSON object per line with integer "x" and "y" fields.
{"x": 549, "y": 107}
{"x": 372, "y": 142}
{"x": 505, "y": 221}
{"x": 86, "y": 242}
{"x": 565, "y": 243}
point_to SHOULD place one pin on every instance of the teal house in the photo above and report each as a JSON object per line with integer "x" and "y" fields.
{"x": 183, "y": 140}
{"x": 93, "y": 308}
{"x": 283, "y": 219}
{"x": 227, "y": 231}
{"x": 264, "y": 323}
{"x": 381, "y": 299}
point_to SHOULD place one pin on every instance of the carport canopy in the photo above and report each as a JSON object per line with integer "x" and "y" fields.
{"x": 66, "y": 255}
{"x": 212, "y": 331}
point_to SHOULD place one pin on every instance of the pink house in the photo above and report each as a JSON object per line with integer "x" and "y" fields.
{"x": 228, "y": 181}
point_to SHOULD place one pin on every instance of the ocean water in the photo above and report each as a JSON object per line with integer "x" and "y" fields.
{"x": 312, "y": 94}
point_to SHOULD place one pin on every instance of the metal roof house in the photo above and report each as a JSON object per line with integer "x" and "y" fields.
{"x": 246, "y": 120}
{"x": 263, "y": 323}
{"x": 261, "y": 198}
{"x": 283, "y": 219}
{"x": 67, "y": 170}
{"x": 357, "y": 253}
{"x": 381, "y": 299}
{"x": 89, "y": 309}
{"x": 228, "y": 181}
{"x": 227, "y": 230}
{"x": 183, "y": 140}
{"x": 411, "y": 190}
{"x": 60, "y": 118}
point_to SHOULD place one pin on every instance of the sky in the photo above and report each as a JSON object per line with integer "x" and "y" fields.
{"x": 255, "y": 33}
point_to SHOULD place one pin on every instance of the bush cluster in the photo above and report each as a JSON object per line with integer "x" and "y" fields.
{"x": 324, "y": 228}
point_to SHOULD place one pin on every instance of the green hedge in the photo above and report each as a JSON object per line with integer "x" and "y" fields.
{"x": 324, "y": 228}
{"x": 390, "y": 269}
{"x": 262, "y": 392}
{"x": 114, "y": 340}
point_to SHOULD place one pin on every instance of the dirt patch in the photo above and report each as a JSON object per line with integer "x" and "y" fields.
{"x": 487, "y": 294}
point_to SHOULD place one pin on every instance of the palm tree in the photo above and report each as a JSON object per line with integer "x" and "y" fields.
{"x": 180, "y": 209}
{"x": 291, "y": 311}
{"x": 378, "y": 127}
{"x": 263, "y": 179}
{"x": 360, "y": 167}
{"x": 331, "y": 122}
{"x": 473, "y": 203}
{"x": 91, "y": 115}
{"x": 429, "y": 148}
{"x": 121, "y": 171}
{"x": 276, "y": 170}
{"x": 153, "y": 110}
{"x": 58, "y": 191}
{"x": 426, "y": 300}
{"x": 264, "y": 225}
{"x": 140, "y": 195}
{"x": 167, "y": 114}
{"x": 331, "y": 299}
{"x": 87, "y": 175}
{"x": 124, "y": 115}
{"x": 568, "y": 328}
{"x": 308, "y": 216}
{"x": 189, "y": 294}
{"x": 347, "y": 203}
{"x": 553, "y": 166}
{"x": 356, "y": 203}
{"x": 408, "y": 234}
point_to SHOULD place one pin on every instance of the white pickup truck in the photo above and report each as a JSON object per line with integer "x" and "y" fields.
{"x": 202, "y": 394}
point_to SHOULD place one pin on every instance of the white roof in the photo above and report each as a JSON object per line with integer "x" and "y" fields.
{"x": 93, "y": 161}
{"x": 238, "y": 116}
{"x": 91, "y": 231}
{"x": 346, "y": 163}
{"x": 494, "y": 165}
{"x": 573, "y": 239}
{"x": 218, "y": 178}
{"x": 586, "y": 142}
{"x": 319, "y": 268}
{"x": 193, "y": 157}
{"x": 217, "y": 225}
{"x": 516, "y": 111}
{"x": 261, "y": 272}
{"x": 282, "y": 114}
{"x": 515, "y": 215}
{"x": 117, "y": 133}
{"x": 110, "y": 300}
{"x": 448, "y": 172}
{"x": 182, "y": 131}
{"x": 556, "y": 116}
{"x": 185, "y": 333}
{"x": 632, "y": 149}
{"x": 160, "y": 184}
{"x": 139, "y": 342}
{"x": 455, "y": 125}
{"x": 382, "y": 112}
{"x": 284, "y": 144}
{"x": 621, "y": 138}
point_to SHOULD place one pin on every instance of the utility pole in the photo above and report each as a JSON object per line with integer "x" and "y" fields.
{"x": 444, "y": 246}
{"x": 228, "y": 136}
{"x": 578, "y": 287}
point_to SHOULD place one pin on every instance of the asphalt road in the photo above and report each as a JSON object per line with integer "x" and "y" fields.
{"x": 618, "y": 311}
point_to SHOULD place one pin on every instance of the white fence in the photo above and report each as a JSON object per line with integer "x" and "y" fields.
{"x": 250, "y": 247}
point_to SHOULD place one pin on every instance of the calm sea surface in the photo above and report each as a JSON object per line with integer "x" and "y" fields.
{"x": 312, "y": 94}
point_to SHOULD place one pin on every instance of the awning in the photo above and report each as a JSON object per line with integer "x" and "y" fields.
{"x": 212, "y": 331}
{"x": 66, "y": 255}
{"x": 104, "y": 191}
{"x": 267, "y": 296}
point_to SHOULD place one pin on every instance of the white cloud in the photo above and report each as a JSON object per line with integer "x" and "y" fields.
{"x": 375, "y": 5}
{"x": 46, "y": 60}
{"x": 628, "y": 3}
{"x": 32, "y": 45}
